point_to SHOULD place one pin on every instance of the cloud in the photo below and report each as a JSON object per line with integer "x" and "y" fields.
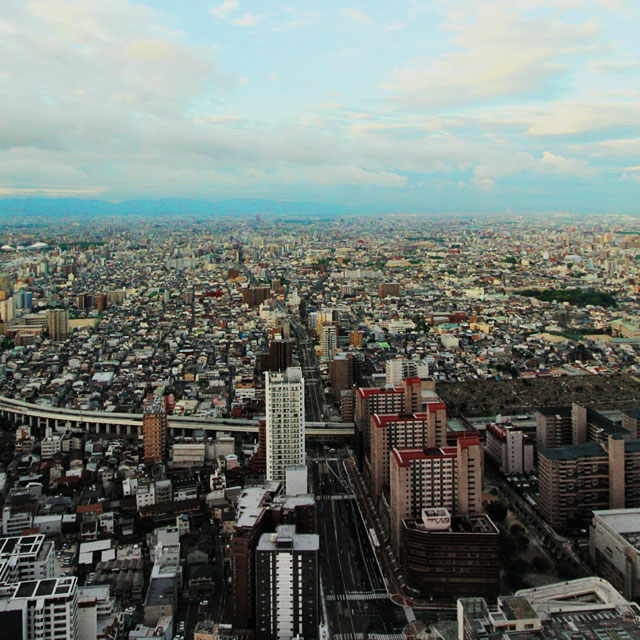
{"x": 226, "y": 7}
{"x": 247, "y": 20}
{"x": 395, "y": 27}
{"x": 356, "y": 14}
{"x": 298, "y": 20}
{"x": 560, "y": 165}
{"x": 500, "y": 53}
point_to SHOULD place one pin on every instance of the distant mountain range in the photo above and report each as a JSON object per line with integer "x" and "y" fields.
{"x": 65, "y": 207}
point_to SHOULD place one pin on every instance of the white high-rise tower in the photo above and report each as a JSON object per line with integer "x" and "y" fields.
{"x": 285, "y": 422}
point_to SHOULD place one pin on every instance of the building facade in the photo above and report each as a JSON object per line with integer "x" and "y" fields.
{"x": 154, "y": 431}
{"x": 285, "y": 422}
{"x": 287, "y": 585}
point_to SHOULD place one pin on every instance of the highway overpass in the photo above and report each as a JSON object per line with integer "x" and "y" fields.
{"x": 130, "y": 424}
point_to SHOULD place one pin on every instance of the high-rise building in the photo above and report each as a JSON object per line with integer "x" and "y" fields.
{"x": 287, "y": 585}
{"x": 40, "y": 609}
{"x": 398, "y": 369}
{"x": 328, "y": 339}
{"x": 285, "y": 422}
{"x": 449, "y": 477}
{"x": 154, "y": 431}
{"x": 58, "y": 324}
{"x": 404, "y": 431}
{"x": 369, "y": 402}
{"x": 345, "y": 370}
{"x": 575, "y": 480}
{"x": 278, "y": 358}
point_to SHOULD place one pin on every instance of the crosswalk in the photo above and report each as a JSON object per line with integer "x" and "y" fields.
{"x": 357, "y": 595}
{"x": 335, "y": 496}
{"x": 367, "y": 636}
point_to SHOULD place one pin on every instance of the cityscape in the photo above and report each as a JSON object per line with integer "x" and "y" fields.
{"x": 319, "y": 321}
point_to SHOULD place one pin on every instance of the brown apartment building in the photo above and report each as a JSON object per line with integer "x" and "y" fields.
{"x": 575, "y": 480}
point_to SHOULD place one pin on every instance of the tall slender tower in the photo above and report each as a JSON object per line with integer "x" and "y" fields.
{"x": 285, "y": 422}
{"x": 154, "y": 431}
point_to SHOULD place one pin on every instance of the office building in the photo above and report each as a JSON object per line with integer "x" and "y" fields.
{"x": 154, "y": 431}
{"x": 446, "y": 558}
{"x": 449, "y": 477}
{"x": 287, "y": 585}
{"x": 403, "y": 431}
{"x": 285, "y": 422}
{"x": 58, "y": 320}
{"x": 40, "y": 609}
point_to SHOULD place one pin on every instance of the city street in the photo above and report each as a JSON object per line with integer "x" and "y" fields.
{"x": 314, "y": 396}
{"x": 354, "y": 590}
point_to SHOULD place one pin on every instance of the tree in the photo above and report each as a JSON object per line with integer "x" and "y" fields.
{"x": 497, "y": 511}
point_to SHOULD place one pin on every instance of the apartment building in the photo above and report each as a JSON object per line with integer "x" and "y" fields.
{"x": 40, "y": 609}
{"x": 287, "y": 585}
{"x": 575, "y": 480}
{"x": 403, "y": 431}
{"x": 285, "y": 422}
{"x": 448, "y": 477}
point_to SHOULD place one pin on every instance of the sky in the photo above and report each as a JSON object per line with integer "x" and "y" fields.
{"x": 437, "y": 105}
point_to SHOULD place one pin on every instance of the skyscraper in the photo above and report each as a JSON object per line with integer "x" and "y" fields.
{"x": 285, "y": 422}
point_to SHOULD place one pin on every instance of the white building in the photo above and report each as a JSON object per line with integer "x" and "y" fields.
{"x": 15, "y": 522}
{"x": 615, "y": 549}
{"x": 46, "y": 609}
{"x": 328, "y": 340}
{"x": 399, "y": 369}
{"x": 27, "y": 558}
{"x": 99, "y": 615}
{"x": 285, "y": 422}
{"x": 510, "y": 448}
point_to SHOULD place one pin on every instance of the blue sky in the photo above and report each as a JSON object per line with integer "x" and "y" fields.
{"x": 467, "y": 105}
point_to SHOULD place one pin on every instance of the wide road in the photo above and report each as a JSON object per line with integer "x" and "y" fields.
{"x": 356, "y": 599}
{"x": 314, "y": 394}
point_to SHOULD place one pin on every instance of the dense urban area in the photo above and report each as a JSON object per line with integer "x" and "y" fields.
{"x": 344, "y": 427}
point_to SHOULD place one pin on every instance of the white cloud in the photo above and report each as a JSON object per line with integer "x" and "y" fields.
{"x": 247, "y": 20}
{"x": 356, "y": 14}
{"x": 560, "y": 165}
{"x": 499, "y": 53}
{"x": 226, "y": 7}
{"x": 395, "y": 27}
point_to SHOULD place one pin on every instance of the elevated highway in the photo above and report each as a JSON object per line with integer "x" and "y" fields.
{"x": 130, "y": 424}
